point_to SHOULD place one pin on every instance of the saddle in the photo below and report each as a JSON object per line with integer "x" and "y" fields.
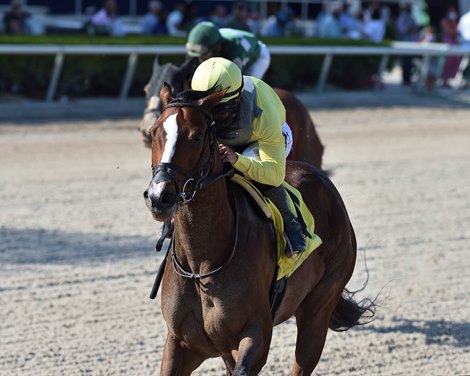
{"x": 285, "y": 265}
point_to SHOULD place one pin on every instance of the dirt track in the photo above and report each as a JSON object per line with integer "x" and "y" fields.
{"x": 76, "y": 249}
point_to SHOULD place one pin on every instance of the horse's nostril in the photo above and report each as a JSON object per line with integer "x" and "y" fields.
{"x": 162, "y": 201}
{"x": 167, "y": 199}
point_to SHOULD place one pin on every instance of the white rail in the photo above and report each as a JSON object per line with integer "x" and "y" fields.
{"x": 396, "y": 49}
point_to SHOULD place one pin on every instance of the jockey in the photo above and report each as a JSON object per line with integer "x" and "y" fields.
{"x": 252, "y": 119}
{"x": 252, "y": 56}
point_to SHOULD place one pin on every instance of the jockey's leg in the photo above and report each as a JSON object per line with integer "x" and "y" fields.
{"x": 278, "y": 196}
{"x": 292, "y": 227}
{"x": 261, "y": 65}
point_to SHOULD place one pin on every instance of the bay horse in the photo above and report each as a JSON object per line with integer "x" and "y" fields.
{"x": 215, "y": 287}
{"x": 307, "y": 146}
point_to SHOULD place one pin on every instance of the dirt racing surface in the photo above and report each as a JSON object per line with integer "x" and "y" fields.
{"x": 76, "y": 241}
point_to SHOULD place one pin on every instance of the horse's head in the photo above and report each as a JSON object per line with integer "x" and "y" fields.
{"x": 184, "y": 150}
{"x": 176, "y": 77}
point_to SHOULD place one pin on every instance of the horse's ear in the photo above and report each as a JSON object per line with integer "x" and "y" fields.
{"x": 212, "y": 99}
{"x": 165, "y": 94}
{"x": 156, "y": 62}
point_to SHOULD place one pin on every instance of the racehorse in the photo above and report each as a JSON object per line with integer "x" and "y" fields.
{"x": 215, "y": 287}
{"x": 307, "y": 146}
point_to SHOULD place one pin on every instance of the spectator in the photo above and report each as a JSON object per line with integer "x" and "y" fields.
{"x": 450, "y": 35}
{"x": 218, "y": 15}
{"x": 464, "y": 31}
{"x": 293, "y": 27}
{"x": 15, "y": 21}
{"x": 243, "y": 48}
{"x": 419, "y": 11}
{"x": 254, "y": 21}
{"x": 328, "y": 25}
{"x": 175, "y": 21}
{"x": 463, "y": 28}
{"x": 153, "y": 21}
{"x": 275, "y": 24}
{"x": 190, "y": 18}
{"x": 350, "y": 25}
{"x": 105, "y": 20}
{"x": 374, "y": 28}
{"x": 407, "y": 30}
{"x": 429, "y": 36}
{"x": 238, "y": 18}
{"x": 282, "y": 23}
{"x": 325, "y": 11}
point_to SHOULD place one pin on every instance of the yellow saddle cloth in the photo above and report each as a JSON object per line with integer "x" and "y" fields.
{"x": 287, "y": 265}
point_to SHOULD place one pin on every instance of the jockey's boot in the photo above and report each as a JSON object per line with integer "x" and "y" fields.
{"x": 292, "y": 228}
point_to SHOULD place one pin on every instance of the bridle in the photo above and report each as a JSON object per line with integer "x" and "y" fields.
{"x": 196, "y": 178}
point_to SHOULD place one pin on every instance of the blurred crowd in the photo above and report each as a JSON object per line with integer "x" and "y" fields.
{"x": 337, "y": 19}
{"x": 16, "y": 19}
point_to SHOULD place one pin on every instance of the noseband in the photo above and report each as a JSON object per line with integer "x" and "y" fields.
{"x": 195, "y": 178}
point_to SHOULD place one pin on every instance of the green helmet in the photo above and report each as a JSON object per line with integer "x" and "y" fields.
{"x": 203, "y": 38}
{"x": 218, "y": 71}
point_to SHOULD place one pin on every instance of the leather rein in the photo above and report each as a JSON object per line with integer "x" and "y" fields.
{"x": 196, "y": 180}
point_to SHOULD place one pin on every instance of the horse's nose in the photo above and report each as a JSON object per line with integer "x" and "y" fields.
{"x": 160, "y": 199}
{"x": 147, "y": 198}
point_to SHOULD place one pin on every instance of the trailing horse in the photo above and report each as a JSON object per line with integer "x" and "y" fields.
{"x": 215, "y": 288}
{"x": 307, "y": 146}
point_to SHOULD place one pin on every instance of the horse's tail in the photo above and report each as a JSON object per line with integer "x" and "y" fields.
{"x": 349, "y": 313}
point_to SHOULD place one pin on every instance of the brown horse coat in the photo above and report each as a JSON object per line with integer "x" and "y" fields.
{"x": 215, "y": 286}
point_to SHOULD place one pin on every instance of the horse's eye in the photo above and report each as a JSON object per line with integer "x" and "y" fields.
{"x": 197, "y": 137}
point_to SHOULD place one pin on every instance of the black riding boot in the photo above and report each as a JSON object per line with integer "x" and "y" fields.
{"x": 292, "y": 227}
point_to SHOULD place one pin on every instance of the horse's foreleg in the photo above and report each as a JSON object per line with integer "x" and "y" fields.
{"x": 177, "y": 359}
{"x": 253, "y": 350}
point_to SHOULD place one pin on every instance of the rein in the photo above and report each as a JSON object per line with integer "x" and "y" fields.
{"x": 179, "y": 269}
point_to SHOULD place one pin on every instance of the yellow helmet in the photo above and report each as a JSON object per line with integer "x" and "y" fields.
{"x": 218, "y": 71}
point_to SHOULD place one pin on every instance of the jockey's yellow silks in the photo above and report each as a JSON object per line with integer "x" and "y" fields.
{"x": 270, "y": 168}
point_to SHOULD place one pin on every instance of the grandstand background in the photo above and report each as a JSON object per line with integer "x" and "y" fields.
{"x": 303, "y": 8}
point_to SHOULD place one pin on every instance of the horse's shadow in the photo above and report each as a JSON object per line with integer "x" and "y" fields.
{"x": 437, "y": 332}
{"x": 39, "y": 246}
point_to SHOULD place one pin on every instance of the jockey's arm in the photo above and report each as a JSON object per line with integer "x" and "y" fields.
{"x": 270, "y": 169}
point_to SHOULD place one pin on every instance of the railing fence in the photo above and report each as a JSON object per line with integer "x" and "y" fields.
{"x": 426, "y": 51}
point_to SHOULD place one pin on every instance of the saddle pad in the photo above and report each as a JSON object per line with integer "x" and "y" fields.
{"x": 287, "y": 265}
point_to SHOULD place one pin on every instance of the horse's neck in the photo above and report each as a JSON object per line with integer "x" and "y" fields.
{"x": 204, "y": 229}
